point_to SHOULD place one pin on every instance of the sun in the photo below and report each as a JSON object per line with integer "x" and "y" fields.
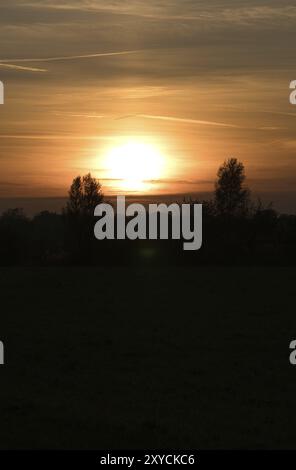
{"x": 134, "y": 166}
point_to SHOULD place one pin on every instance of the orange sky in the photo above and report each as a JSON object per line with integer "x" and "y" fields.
{"x": 200, "y": 84}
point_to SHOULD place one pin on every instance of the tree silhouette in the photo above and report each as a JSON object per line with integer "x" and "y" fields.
{"x": 231, "y": 197}
{"x": 14, "y": 237}
{"x": 84, "y": 195}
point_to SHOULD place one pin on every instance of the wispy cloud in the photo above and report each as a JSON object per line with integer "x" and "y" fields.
{"x": 179, "y": 181}
{"x": 55, "y": 137}
{"x": 10, "y": 183}
{"x": 79, "y": 115}
{"x": 182, "y": 120}
{"x": 21, "y": 68}
{"x": 201, "y": 122}
{"x": 10, "y": 63}
{"x": 70, "y": 57}
{"x": 234, "y": 12}
{"x": 278, "y": 112}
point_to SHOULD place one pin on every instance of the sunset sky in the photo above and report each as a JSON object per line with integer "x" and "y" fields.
{"x": 95, "y": 85}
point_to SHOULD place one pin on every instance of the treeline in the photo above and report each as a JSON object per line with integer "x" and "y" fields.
{"x": 52, "y": 239}
{"x": 235, "y": 231}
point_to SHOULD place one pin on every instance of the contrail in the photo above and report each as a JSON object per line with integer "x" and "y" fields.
{"x": 19, "y": 67}
{"x": 69, "y": 57}
{"x": 53, "y": 137}
{"x": 10, "y": 63}
{"x": 184, "y": 120}
{"x": 83, "y": 115}
{"x": 281, "y": 113}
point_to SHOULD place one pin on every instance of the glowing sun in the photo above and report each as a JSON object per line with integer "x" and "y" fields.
{"x": 134, "y": 166}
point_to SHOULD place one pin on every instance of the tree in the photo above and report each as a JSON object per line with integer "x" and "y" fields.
{"x": 47, "y": 235}
{"x": 231, "y": 197}
{"x": 84, "y": 195}
{"x": 14, "y": 237}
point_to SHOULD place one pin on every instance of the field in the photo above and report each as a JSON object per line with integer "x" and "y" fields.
{"x": 147, "y": 358}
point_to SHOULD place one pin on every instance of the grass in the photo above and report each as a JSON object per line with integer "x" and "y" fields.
{"x": 147, "y": 358}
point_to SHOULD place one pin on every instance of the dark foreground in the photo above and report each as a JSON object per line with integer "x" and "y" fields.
{"x": 147, "y": 358}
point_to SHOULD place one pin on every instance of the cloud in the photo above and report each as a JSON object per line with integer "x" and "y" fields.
{"x": 179, "y": 181}
{"x": 215, "y": 54}
{"x": 54, "y": 137}
{"x": 188, "y": 10}
{"x": 11, "y": 183}
{"x": 203, "y": 122}
{"x": 19, "y": 67}
{"x": 82, "y": 115}
{"x": 70, "y": 57}
{"x": 279, "y": 112}
{"x": 7, "y": 62}
{"x": 182, "y": 120}
{"x": 271, "y": 128}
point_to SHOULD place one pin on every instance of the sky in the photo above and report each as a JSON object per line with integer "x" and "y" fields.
{"x": 195, "y": 82}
